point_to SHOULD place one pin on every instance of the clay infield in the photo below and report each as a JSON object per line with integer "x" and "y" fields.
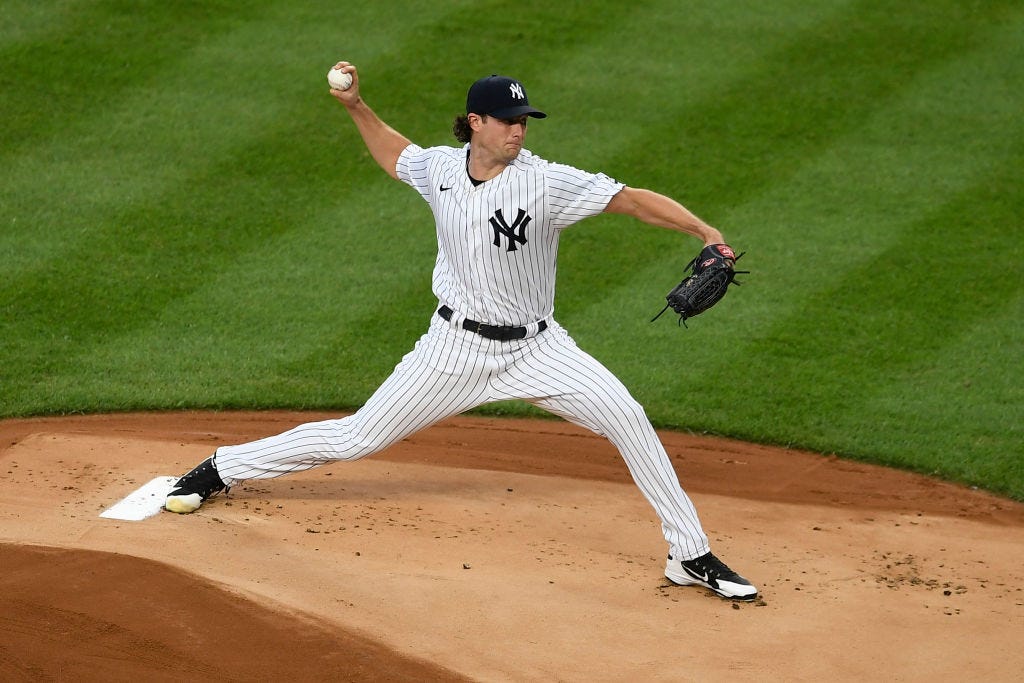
{"x": 491, "y": 550}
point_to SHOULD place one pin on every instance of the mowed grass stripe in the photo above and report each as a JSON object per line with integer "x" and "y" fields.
{"x": 734, "y": 139}
{"x": 134, "y": 142}
{"x": 643, "y": 103}
{"x": 297, "y": 322}
{"x": 91, "y": 54}
{"x": 932, "y": 207}
{"x": 668, "y": 64}
{"x": 784, "y": 229}
{"x": 176, "y": 254}
{"x": 800, "y": 91}
{"x": 937, "y": 212}
{"x": 961, "y": 414}
{"x": 869, "y": 185}
{"x": 887, "y": 317}
{"x": 156, "y": 247}
{"x": 186, "y": 107}
{"x": 77, "y": 141}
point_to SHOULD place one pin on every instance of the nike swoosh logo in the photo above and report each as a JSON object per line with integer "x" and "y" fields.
{"x": 445, "y": 189}
{"x": 697, "y": 576}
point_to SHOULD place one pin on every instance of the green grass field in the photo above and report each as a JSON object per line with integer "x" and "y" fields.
{"x": 190, "y": 220}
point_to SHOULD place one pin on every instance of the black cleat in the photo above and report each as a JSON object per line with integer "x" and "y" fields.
{"x": 195, "y": 487}
{"x": 710, "y": 572}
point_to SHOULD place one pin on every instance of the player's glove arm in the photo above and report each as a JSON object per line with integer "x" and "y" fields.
{"x": 710, "y": 273}
{"x": 661, "y": 211}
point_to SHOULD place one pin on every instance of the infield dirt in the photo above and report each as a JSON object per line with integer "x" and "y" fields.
{"x": 492, "y": 550}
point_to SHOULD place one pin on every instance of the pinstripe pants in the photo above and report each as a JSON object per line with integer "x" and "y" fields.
{"x": 450, "y": 371}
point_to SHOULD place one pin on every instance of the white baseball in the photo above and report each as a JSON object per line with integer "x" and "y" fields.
{"x": 339, "y": 80}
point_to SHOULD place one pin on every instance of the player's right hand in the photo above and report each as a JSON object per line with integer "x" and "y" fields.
{"x": 349, "y": 96}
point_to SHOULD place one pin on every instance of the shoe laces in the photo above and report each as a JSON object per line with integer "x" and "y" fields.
{"x": 203, "y": 480}
{"x": 712, "y": 567}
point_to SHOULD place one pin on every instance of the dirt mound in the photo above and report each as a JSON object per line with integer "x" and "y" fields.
{"x": 492, "y": 550}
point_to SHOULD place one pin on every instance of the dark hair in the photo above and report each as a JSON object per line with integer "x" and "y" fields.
{"x": 461, "y": 129}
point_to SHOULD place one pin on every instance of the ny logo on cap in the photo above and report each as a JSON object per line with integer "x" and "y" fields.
{"x": 517, "y": 91}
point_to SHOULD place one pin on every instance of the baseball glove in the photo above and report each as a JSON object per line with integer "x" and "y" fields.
{"x": 712, "y": 273}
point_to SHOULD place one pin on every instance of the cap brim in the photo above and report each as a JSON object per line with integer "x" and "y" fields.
{"x": 513, "y": 112}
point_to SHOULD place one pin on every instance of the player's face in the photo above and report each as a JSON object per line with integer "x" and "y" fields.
{"x": 502, "y": 137}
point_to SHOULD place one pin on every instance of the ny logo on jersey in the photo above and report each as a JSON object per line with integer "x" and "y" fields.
{"x": 516, "y": 233}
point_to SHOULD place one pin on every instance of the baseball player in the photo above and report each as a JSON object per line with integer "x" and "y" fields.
{"x": 499, "y": 211}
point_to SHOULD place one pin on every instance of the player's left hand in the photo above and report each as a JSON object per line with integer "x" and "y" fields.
{"x": 712, "y": 273}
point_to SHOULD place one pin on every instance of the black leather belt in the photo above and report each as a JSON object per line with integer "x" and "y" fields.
{"x": 499, "y": 332}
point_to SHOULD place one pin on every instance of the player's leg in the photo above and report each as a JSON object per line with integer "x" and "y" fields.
{"x": 408, "y": 401}
{"x": 436, "y": 380}
{"x": 563, "y": 379}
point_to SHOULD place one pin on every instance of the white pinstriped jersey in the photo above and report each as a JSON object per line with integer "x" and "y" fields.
{"x": 498, "y": 241}
{"x": 497, "y": 248}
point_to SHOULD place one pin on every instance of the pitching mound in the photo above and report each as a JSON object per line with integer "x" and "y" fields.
{"x": 487, "y": 549}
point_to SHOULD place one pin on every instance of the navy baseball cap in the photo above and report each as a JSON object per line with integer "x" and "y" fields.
{"x": 501, "y": 97}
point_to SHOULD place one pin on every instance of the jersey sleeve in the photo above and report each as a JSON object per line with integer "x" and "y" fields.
{"x": 574, "y": 194}
{"x": 412, "y": 167}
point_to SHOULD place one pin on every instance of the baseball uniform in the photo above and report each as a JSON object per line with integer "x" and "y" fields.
{"x": 493, "y": 336}
{"x": 496, "y": 261}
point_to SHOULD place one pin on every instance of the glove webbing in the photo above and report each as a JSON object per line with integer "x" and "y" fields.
{"x": 690, "y": 267}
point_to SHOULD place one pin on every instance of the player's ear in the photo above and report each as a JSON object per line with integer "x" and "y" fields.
{"x": 475, "y": 121}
